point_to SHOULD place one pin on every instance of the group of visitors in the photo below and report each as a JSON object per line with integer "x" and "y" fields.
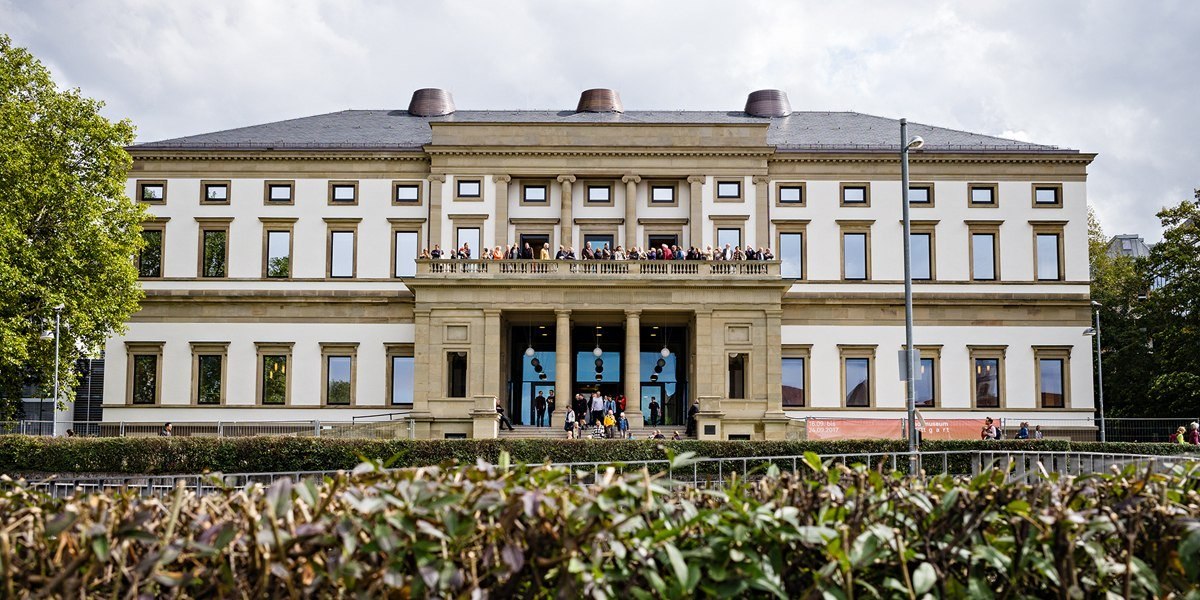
{"x": 1187, "y": 435}
{"x": 663, "y": 252}
{"x": 991, "y": 431}
{"x": 605, "y": 415}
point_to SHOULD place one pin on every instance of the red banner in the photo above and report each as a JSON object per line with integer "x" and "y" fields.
{"x": 854, "y": 429}
{"x": 949, "y": 429}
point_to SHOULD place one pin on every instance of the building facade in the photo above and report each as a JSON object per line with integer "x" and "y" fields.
{"x": 283, "y": 279}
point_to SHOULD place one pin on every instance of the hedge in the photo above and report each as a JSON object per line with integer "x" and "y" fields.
{"x": 158, "y": 455}
{"x": 499, "y": 532}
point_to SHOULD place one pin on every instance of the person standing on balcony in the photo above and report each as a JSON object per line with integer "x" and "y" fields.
{"x": 561, "y": 254}
{"x": 544, "y": 253}
{"x": 539, "y": 410}
{"x": 619, "y": 254}
{"x": 588, "y": 253}
{"x": 436, "y": 253}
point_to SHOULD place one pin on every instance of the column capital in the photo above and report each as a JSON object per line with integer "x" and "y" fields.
{"x": 566, "y": 179}
{"x": 696, "y": 178}
{"x": 495, "y": 312}
{"x": 502, "y": 178}
{"x": 438, "y": 177}
{"x": 562, "y": 312}
{"x": 633, "y": 312}
{"x": 761, "y": 179}
{"x": 631, "y": 178}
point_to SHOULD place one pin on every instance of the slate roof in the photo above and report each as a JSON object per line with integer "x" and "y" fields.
{"x": 398, "y": 130}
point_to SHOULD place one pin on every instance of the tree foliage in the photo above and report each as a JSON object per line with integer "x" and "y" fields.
{"x": 1150, "y": 320}
{"x": 67, "y": 229}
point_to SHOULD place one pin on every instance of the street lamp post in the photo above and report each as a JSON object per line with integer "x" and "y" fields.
{"x": 57, "y": 323}
{"x": 910, "y": 353}
{"x": 1099, "y": 370}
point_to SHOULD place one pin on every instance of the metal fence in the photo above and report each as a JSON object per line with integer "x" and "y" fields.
{"x": 396, "y": 427}
{"x": 1026, "y": 467}
{"x": 1080, "y": 429}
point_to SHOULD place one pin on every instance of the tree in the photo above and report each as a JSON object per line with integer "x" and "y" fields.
{"x": 67, "y": 228}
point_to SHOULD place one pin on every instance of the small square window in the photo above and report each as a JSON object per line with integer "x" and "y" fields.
{"x": 347, "y": 193}
{"x": 215, "y": 193}
{"x": 279, "y": 193}
{"x": 982, "y": 195}
{"x": 407, "y": 193}
{"x": 1047, "y": 195}
{"x": 920, "y": 194}
{"x": 535, "y": 193}
{"x": 152, "y": 192}
{"x": 468, "y": 188}
{"x": 855, "y": 194}
{"x": 791, "y": 194}
{"x": 662, "y": 193}
{"x": 729, "y": 189}
{"x": 599, "y": 194}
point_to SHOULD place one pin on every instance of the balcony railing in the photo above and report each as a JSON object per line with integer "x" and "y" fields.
{"x": 680, "y": 269}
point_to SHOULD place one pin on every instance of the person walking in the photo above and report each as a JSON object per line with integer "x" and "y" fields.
{"x": 1193, "y": 434}
{"x": 989, "y": 431}
{"x": 167, "y": 430}
{"x": 623, "y": 426}
{"x": 610, "y": 424}
{"x": 503, "y": 418}
{"x": 597, "y": 408}
{"x": 1037, "y": 432}
{"x": 1180, "y": 436}
{"x": 569, "y": 425}
{"x": 1023, "y": 432}
{"x": 539, "y": 410}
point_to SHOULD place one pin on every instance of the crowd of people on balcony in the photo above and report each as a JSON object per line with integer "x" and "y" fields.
{"x": 663, "y": 252}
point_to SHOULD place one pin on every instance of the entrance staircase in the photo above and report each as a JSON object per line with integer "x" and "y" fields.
{"x": 530, "y": 432}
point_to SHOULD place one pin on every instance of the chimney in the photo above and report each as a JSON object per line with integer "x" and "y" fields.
{"x": 599, "y": 100}
{"x": 431, "y": 102}
{"x": 768, "y": 103}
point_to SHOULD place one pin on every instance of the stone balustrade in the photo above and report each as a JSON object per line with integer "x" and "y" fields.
{"x": 667, "y": 269}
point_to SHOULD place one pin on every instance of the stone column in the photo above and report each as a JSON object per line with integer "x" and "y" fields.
{"x": 562, "y": 359}
{"x": 491, "y": 353}
{"x": 631, "y": 204}
{"x": 502, "y": 209}
{"x": 633, "y": 368}
{"x": 696, "y": 202}
{"x": 567, "y": 222}
{"x": 762, "y": 212}
{"x": 435, "y": 210}
{"x": 775, "y": 420}
{"x": 426, "y": 373}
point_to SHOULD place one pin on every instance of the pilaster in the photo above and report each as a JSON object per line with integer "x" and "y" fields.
{"x": 435, "y": 209}
{"x": 762, "y": 212}
{"x": 491, "y": 352}
{"x": 562, "y": 358}
{"x": 633, "y": 368}
{"x": 502, "y": 209}
{"x": 567, "y": 222}
{"x": 631, "y": 202}
{"x": 696, "y": 205}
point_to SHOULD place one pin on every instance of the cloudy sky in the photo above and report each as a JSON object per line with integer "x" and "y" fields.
{"x": 1112, "y": 77}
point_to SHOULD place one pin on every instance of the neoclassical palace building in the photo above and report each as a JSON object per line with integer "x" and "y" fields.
{"x": 284, "y": 279}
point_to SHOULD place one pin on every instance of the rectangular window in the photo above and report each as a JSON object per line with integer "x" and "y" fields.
{"x": 401, "y": 375}
{"x": 215, "y": 252}
{"x": 920, "y": 194}
{"x": 856, "y": 194}
{"x": 857, "y": 378}
{"x": 337, "y": 380}
{"x": 279, "y": 254}
{"x": 664, "y": 194}
{"x": 729, "y": 190}
{"x": 1049, "y": 263}
{"x": 983, "y": 256}
{"x": 794, "y": 381}
{"x": 737, "y": 376}
{"x": 343, "y": 192}
{"x": 791, "y": 194}
{"x": 535, "y": 194}
{"x": 599, "y": 194}
{"x": 406, "y": 243}
{"x": 456, "y": 371}
{"x": 854, "y": 256}
{"x": 274, "y": 379}
{"x": 1047, "y": 195}
{"x": 468, "y": 238}
{"x": 278, "y": 192}
{"x": 214, "y": 192}
{"x": 341, "y": 254}
{"x": 468, "y": 188}
{"x": 1050, "y": 379}
{"x": 209, "y": 370}
{"x": 921, "y": 255}
{"x": 987, "y": 383}
{"x": 406, "y": 193}
{"x": 982, "y": 194}
{"x": 152, "y": 192}
{"x": 145, "y": 378}
{"x": 729, "y": 236}
{"x": 149, "y": 261}
{"x": 791, "y": 255}
{"x": 926, "y": 384}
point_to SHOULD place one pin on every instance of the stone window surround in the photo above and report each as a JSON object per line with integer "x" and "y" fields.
{"x": 866, "y": 351}
{"x": 334, "y": 184}
{"x": 855, "y": 226}
{"x": 1058, "y": 195}
{"x": 206, "y": 183}
{"x": 741, "y": 190}
{"x": 547, "y": 188}
{"x": 609, "y": 185}
{"x": 132, "y": 351}
{"x": 404, "y": 226}
{"x": 799, "y": 226}
{"x": 392, "y": 351}
{"x": 335, "y": 224}
{"x": 781, "y": 185}
{"x": 461, "y": 179}
{"x": 1055, "y": 228}
{"x": 984, "y": 228}
{"x": 290, "y": 184}
{"x": 1062, "y": 353}
{"x": 207, "y": 224}
{"x": 270, "y": 224}
{"x": 803, "y": 351}
{"x": 262, "y": 350}
{"x": 156, "y": 224}
{"x": 926, "y": 227}
{"x": 662, "y": 183}
{"x": 866, "y": 187}
{"x": 209, "y": 349}
{"x": 143, "y": 183}
{"x": 988, "y": 352}
{"x": 334, "y": 349}
{"x": 923, "y": 186}
{"x": 417, "y": 183}
{"x": 934, "y": 352}
{"x": 995, "y": 187}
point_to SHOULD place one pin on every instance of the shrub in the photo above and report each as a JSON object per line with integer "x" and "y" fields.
{"x": 523, "y": 532}
{"x": 161, "y": 455}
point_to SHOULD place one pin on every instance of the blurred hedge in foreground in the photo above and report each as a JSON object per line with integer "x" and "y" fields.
{"x": 500, "y": 532}
{"x": 160, "y": 455}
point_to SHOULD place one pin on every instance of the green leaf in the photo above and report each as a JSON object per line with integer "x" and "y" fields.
{"x": 677, "y": 563}
{"x": 923, "y": 578}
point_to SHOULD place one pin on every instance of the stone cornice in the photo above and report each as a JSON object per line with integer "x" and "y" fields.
{"x": 625, "y": 151}
{"x": 267, "y": 154}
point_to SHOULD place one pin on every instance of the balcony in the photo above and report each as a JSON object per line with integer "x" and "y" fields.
{"x": 621, "y": 269}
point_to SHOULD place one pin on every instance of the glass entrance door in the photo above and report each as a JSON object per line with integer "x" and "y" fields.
{"x": 598, "y": 242}
{"x": 531, "y": 412}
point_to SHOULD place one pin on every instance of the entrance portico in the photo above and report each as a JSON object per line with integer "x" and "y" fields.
{"x": 520, "y": 335}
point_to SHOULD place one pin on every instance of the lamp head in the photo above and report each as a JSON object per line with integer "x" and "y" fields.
{"x": 1090, "y": 331}
{"x": 1096, "y": 304}
{"x": 916, "y": 143}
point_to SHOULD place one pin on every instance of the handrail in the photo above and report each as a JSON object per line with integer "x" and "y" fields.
{"x": 481, "y": 268}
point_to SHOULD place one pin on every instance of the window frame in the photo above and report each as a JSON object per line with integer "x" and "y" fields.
{"x": 212, "y": 224}
{"x": 1058, "y": 195}
{"x": 744, "y": 356}
{"x": 465, "y": 354}
{"x": 587, "y": 193}
{"x": 263, "y": 350}
{"x": 201, "y": 349}
{"x": 928, "y": 187}
{"x": 782, "y": 185}
{"x": 141, "y": 186}
{"x": 404, "y": 226}
{"x": 339, "y": 350}
{"x": 205, "y": 184}
{"x": 478, "y": 196}
{"x": 991, "y": 228}
{"x": 334, "y": 225}
{"x": 741, "y": 190}
{"x": 408, "y": 183}
{"x": 926, "y": 228}
{"x": 527, "y": 185}
{"x": 393, "y": 351}
{"x": 854, "y": 185}
{"x": 1057, "y": 229}
{"x": 662, "y": 184}
{"x": 334, "y": 185}
{"x": 858, "y": 351}
{"x": 1059, "y": 353}
{"x": 802, "y": 352}
{"x": 290, "y": 184}
{"x": 158, "y": 224}
{"x": 134, "y": 350}
{"x": 994, "y": 187}
{"x": 996, "y": 353}
{"x": 932, "y": 352}
{"x": 855, "y": 227}
{"x": 794, "y": 227}
{"x": 270, "y": 225}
